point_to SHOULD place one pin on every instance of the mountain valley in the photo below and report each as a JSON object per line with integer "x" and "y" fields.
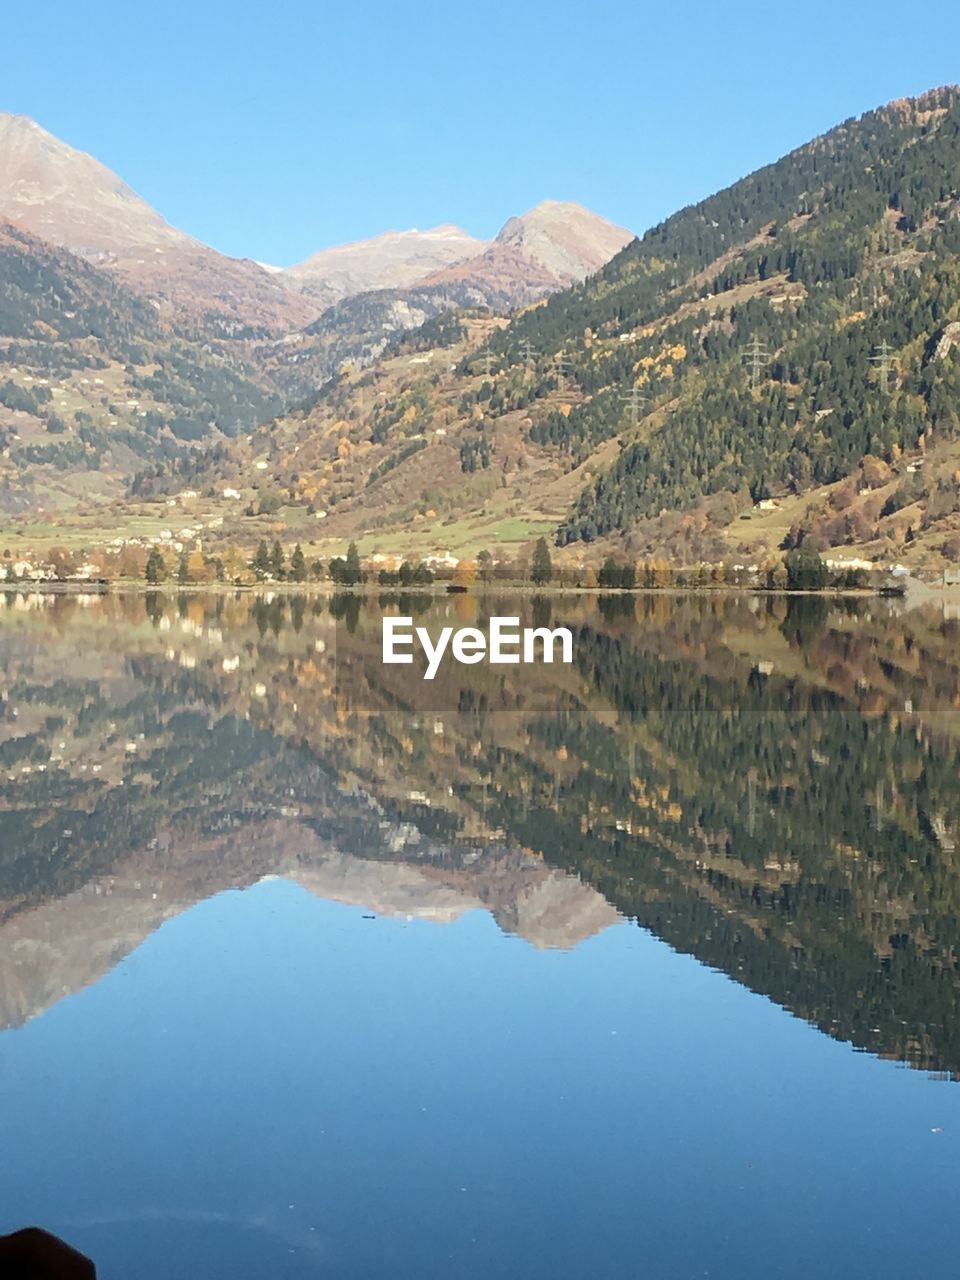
{"x": 775, "y": 367}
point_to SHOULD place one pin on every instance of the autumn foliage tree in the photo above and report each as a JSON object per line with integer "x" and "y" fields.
{"x": 465, "y": 572}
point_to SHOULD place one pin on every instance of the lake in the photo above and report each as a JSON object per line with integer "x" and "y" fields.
{"x": 643, "y": 966}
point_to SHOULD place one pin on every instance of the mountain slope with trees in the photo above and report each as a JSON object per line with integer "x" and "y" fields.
{"x": 93, "y": 380}
{"x": 776, "y": 334}
{"x": 777, "y": 366}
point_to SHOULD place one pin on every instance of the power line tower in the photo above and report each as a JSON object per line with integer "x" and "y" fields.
{"x": 561, "y": 367}
{"x": 886, "y": 363}
{"x": 529, "y": 356}
{"x": 485, "y": 360}
{"x": 634, "y": 399}
{"x": 756, "y": 358}
{"x": 879, "y": 805}
{"x": 752, "y": 802}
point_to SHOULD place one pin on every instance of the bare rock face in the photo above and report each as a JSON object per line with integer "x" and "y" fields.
{"x": 71, "y": 200}
{"x": 395, "y": 260}
{"x": 948, "y": 340}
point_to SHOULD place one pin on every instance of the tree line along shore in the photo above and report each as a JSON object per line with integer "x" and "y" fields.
{"x": 274, "y": 565}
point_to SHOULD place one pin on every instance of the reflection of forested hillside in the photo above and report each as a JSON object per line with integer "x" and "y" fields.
{"x": 774, "y": 833}
{"x": 147, "y": 780}
{"x": 768, "y": 786}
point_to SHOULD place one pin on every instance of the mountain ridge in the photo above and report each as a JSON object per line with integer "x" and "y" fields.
{"x": 390, "y": 260}
{"x": 70, "y": 199}
{"x": 561, "y": 240}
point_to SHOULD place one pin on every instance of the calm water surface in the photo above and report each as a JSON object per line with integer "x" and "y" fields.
{"x": 647, "y": 966}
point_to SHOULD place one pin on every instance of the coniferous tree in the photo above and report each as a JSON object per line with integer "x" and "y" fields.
{"x": 542, "y": 568}
{"x": 261, "y": 561}
{"x": 806, "y": 571}
{"x": 352, "y": 571}
{"x": 156, "y": 566}
{"x": 609, "y": 575}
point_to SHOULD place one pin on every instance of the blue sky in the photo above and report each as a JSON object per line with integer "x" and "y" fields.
{"x": 273, "y": 130}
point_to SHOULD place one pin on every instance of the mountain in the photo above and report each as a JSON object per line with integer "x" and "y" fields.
{"x": 774, "y": 367}
{"x": 553, "y": 245}
{"x": 777, "y": 365}
{"x": 394, "y": 260}
{"x": 272, "y": 336}
{"x": 71, "y": 200}
{"x": 99, "y": 380}
{"x": 556, "y": 244}
{"x": 547, "y": 249}
{"x": 778, "y": 335}
{"x": 94, "y": 383}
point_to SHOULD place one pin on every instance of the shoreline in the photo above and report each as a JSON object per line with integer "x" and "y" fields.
{"x": 439, "y": 590}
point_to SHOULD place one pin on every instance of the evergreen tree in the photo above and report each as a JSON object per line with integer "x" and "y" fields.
{"x": 261, "y": 561}
{"x": 156, "y": 566}
{"x": 542, "y": 570}
{"x": 609, "y": 575}
{"x": 352, "y": 572}
{"x": 298, "y": 565}
{"x": 806, "y": 571}
{"x": 183, "y": 569}
{"x": 277, "y": 561}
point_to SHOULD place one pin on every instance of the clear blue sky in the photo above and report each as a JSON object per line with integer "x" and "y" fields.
{"x": 273, "y": 130}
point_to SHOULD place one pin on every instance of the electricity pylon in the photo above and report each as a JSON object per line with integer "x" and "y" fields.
{"x": 633, "y": 399}
{"x": 529, "y": 356}
{"x": 879, "y": 805}
{"x": 886, "y": 364}
{"x": 561, "y": 367}
{"x": 486, "y": 359}
{"x": 756, "y": 358}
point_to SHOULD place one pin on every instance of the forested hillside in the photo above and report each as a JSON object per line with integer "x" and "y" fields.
{"x": 775, "y": 365}
{"x": 92, "y": 379}
{"x": 777, "y": 333}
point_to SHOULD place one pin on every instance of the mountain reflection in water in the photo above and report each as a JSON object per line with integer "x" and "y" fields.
{"x": 766, "y": 785}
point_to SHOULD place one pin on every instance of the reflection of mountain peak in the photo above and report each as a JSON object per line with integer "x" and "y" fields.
{"x": 783, "y": 828}
{"x": 66, "y": 944}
